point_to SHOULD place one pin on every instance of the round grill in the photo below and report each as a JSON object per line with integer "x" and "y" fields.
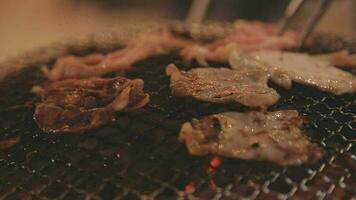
{"x": 139, "y": 156}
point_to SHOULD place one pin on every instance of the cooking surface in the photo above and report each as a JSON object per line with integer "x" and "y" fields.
{"x": 139, "y": 155}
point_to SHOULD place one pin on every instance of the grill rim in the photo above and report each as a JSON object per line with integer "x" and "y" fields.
{"x": 71, "y": 46}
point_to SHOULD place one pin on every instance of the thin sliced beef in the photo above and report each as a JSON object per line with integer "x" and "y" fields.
{"x": 95, "y": 65}
{"x": 247, "y": 36}
{"x": 267, "y": 136}
{"x": 79, "y": 105}
{"x": 284, "y": 67}
{"x": 223, "y": 85}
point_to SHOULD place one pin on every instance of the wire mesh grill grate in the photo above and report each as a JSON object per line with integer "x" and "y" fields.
{"x": 139, "y": 157}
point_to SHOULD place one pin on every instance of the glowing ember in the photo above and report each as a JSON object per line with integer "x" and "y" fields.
{"x": 8, "y": 143}
{"x": 215, "y": 162}
{"x": 190, "y": 187}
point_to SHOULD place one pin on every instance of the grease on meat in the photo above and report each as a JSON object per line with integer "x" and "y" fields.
{"x": 267, "y": 136}
{"x": 284, "y": 67}
{"x": 138, "y": 48}
{"x": 223, "y": 85}
{"x": 78, "y": 105}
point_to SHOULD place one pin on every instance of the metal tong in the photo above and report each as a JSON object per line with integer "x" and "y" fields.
{"x": 197, "y": 12}
{"x": 293, "y": 8}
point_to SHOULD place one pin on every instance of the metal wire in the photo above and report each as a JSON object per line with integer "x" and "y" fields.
{"x": 139, "y": 157}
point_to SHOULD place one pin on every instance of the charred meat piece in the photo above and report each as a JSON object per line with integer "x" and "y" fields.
{"x": 284, "y": 67}
{"x": 78, "y": 105}
{"x": 246, "y": 36}
{"x": 138, "y": 48}
{"x": 223, "y": 85}
{"x": 265, "y": 136}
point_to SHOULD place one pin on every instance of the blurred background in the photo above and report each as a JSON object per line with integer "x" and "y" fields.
{"x": 29, "y": 24}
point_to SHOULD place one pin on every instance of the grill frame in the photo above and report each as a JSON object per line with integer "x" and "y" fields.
{"x": 130, "y": 161}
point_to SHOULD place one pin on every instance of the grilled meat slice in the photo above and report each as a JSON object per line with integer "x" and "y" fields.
{"x": 138, "y": 48}
{"x": 284, "y": 67}
{"x": 78, "y": 105}
{"x": 223, "y": 85}
{"x": 265, "y": 136}
{"x": 247, "y": 36}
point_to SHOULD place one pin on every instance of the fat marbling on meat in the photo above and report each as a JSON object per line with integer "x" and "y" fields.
{"x": 267, "y": 136}
{"x": 138, "y": 48}
{"x": 284, "y": 67}
{"x": 78, "y": 105}
{"x": 223, "y": 85}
